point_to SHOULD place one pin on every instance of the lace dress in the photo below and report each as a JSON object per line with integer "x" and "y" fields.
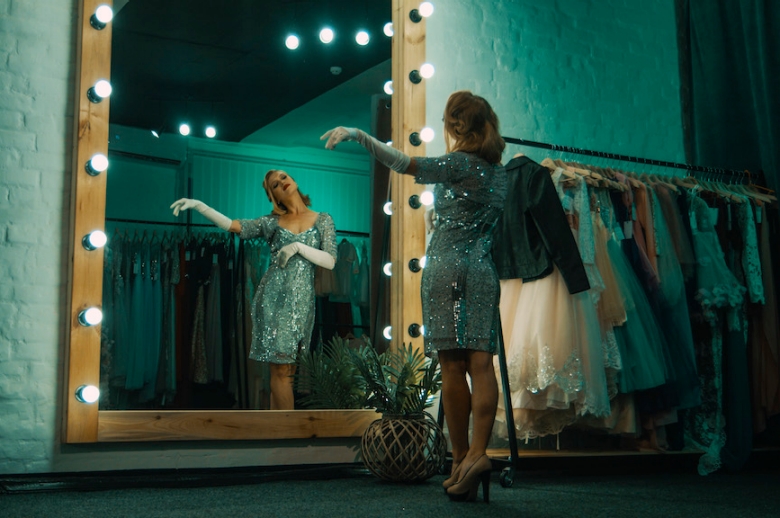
{"x": 283, "y": 305}
{"x": 716, "y": 289}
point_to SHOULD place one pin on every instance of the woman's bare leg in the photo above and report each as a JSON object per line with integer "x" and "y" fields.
{"x": 456, "y": 399}
{"x": 282, "y": 386}
{"x": 484, "y": 401}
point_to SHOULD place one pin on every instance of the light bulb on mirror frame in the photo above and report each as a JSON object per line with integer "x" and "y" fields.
{"x": 425, "y": 9}
{"x": 387, "y": 332}
{"x": 426, "y": 198}
{"x": 423, "y": 261}
{"x": 99, "y": 91}
{"x": 388, "y": 208}
{"x": 388, "y": 269}
{"x": 96, "y": 165}
{"x": 90, "y": 317}
{"x": 94, "y": 240}
{"x": 427, "y": 134}
{"x": 87, "y": 394}
{"x": 102, "y": 16}
{"x": 427, "y": 70}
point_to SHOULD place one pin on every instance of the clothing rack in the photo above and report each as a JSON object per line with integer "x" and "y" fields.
{"x": 149, "y": 222}
{"x": 639, "y": 160}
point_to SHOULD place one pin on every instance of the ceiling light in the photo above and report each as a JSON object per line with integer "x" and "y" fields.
{"x": 292, "y": 42}
{"x": 388, "y": 29}
{"x": 211, "y": 132}
{"x": 184, "y": 129}
{"x": 326, "y": 35}
{"x": 388, "y": 87}
{"x": 362, "y": 38}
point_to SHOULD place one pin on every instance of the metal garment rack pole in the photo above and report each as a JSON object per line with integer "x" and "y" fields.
{"x": 627, "y": 158}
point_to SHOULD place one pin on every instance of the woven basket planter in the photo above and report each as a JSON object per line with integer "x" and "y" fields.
{"x": 404, "y": 449}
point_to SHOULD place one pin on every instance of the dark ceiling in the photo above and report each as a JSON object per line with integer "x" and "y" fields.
{"x": 225, "y": 63}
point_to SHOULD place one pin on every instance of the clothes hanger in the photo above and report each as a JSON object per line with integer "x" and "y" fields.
{"x": 550, "y": 164}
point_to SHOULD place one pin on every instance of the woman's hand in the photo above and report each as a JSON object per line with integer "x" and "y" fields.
{"x": 184, "y": 204}
{"x": 212, "y": 215}
{"x": 339, "y": 134}
{"x": 285, "y": 253}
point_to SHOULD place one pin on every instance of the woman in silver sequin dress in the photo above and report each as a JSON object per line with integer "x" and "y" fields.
{"x": 283, "y": 306}
{"x": 460, "y": 288}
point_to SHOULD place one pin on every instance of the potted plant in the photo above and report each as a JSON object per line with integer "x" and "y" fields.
{"x": 406, "y": 444}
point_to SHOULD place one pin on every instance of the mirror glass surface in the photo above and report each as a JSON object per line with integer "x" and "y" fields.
{"x": 177, "y": 291}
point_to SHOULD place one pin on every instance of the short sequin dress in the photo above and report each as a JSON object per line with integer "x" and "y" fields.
{"x": 283, "y": 306}
{"x": 460, "y": 289}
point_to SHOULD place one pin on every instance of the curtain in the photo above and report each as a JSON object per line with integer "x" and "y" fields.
{"x": 730, "y": 83}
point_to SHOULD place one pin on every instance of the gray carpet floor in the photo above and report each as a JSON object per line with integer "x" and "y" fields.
{"x": 533, "y": 495}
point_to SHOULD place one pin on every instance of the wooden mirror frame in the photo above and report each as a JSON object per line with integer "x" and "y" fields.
{"x": 83, "y": 422}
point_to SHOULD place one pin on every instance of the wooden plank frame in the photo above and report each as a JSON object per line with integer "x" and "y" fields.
{"x": 84, "y": 423}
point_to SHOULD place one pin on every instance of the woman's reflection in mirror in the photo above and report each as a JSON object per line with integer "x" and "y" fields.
{"x": 284, "y": 302}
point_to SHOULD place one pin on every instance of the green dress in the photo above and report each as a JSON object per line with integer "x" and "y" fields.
{"x": 283, "y": 306}
{"x": 460, "y": 288}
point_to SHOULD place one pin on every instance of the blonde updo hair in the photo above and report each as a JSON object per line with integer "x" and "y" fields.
{"x": 471, "y": 126}
{"x": 278, "y": 207}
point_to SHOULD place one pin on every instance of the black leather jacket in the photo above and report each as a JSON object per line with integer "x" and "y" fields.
{"x": 533, "y": 234}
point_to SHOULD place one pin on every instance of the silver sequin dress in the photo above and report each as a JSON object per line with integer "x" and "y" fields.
{"x": 460, "y": 289}
{"x": 283, "y": 306}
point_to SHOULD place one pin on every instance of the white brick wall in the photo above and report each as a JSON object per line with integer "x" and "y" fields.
{"x": 593, "y": 74}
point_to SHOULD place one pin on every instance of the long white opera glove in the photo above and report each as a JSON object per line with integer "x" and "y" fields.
{"x": 212, "y": 215}
{"x": 313, "y": 255}
{"x": 388, "y": 155}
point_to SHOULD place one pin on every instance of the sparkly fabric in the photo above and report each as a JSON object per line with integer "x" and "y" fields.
{"x": 283, "y": 305}
{"x": 460, "y": 289}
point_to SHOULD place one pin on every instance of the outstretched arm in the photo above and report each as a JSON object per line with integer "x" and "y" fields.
{"x": 212, "y": 215}
{"x": 389, "y": 156}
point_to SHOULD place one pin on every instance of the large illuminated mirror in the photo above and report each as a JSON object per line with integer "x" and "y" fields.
{"x": 176, "y": 62}
{"x": 257, "y": 84}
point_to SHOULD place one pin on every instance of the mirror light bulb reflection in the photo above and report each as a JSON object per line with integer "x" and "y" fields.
{"x": 387, "y": 332}
{"x": 211, "y": 132}
{"x": 388, "y": 269}
{"x": 362, "y": 38}
{"x": 425, "y": 9}
{"x": 90, "y": 317}
{"x": 388, "y": 29}
{"x": 87, "y": 393}
{"x": 388, "y": 208}
{"x": 426, "y": 198}
{"x": 388, "y": 87}
{"x": 292, "y": 42}
{"x": 326, "y": 35}
{"x": 427, "y": 70}
{"x": 94, "y": 240}
{"x": 184, "y": 129}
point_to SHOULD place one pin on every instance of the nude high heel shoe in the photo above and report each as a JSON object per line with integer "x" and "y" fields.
{"x": 453, "y": 478}
{"x": 468, "y": 486}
